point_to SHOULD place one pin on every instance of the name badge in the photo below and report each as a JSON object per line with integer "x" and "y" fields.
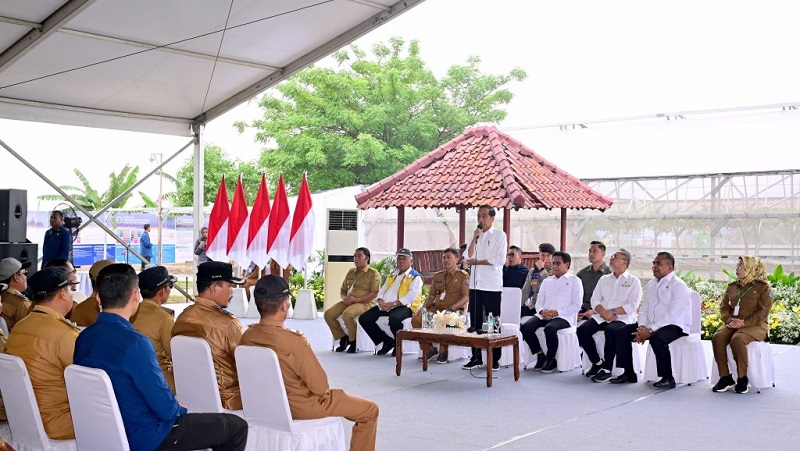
{"x": 736, "y": 310}
{"x": 441, "y": 296}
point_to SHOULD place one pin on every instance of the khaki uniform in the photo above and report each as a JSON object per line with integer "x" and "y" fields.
{"x": 45, "y": 341}
{"x": 356, "y": 283}
{"x": 446, "y": 291}
{"x": 156, "y": 323}
{"x": 754, "y": 302}
{"x": 307, "y": 384}
{"x": 15, "y": 307}
{"x": 205, "y": 319}
{"x": 85, "y": 314}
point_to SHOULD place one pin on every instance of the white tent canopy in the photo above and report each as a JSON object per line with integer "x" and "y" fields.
{"x": 161, "y": 66}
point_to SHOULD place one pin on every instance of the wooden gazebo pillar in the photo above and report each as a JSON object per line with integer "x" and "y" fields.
{"x": 507, "y": 224}
{"x": 462, "y": 226}
{"x": 564, "y": 229}
{"x": 401, "y": 226}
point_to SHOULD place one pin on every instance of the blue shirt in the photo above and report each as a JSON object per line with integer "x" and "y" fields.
{"x": 56, "y": 245}
{"x": 146, "y": 246}
{"x": 145, "y": 400}
{"x": 514, "y": 276}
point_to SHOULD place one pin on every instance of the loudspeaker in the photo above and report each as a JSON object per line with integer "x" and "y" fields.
{"x": 24, "y": 252}
{"x": 13, "y": 215}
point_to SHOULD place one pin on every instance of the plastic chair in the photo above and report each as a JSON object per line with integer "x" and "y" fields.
{"x": 305, "y": 307}
{"x": 195, "y": 378}
{"x": 95, "y": 412}
{"x": 79, "y": 296}
{"x": 600, "y": 341}
{"x": 238, "y": 304}
{"x": 363, "y": 342}
{"x": 266, "y": 408}
{"x": 568, "y": 353}
{"x": 686, "y": 353}
{"x": 760, "y": 365}
{"x": 509, "y": 315}
{"x": 383, "y": 323}
{"x": 24, "y": 418}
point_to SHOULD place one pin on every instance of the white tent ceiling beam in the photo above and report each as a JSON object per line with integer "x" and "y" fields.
{"x": 23, "y": 23}
{"x": 310, "y": 57}
{"x": 162, "y": 48}
{"x": 62, "y": 15}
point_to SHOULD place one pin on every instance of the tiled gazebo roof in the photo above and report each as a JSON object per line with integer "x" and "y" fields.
{"x": 482, "y": 166}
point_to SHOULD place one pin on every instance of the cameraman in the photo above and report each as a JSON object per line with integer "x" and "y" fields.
{"x": 200, "y": 246}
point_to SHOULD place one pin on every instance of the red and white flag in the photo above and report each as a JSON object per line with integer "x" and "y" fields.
{"x": 217, "y": 247}
{"x": 301, "y": 243}
{"x": 237, "y": 227}
{"x": 257, "y": 230}
{"x": 280, "y": 228}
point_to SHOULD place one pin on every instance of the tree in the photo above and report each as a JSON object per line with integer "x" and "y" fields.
{"x": 90, "y": 199}
{"x": 371, "y": 118}
{"x": 216, "y": 163}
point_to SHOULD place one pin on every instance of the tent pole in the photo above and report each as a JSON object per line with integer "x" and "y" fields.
{"x": 198, "y": 197}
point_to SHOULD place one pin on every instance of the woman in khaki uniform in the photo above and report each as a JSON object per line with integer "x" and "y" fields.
{"x": 744, "y": 310}
{"x": 306, "y": 383}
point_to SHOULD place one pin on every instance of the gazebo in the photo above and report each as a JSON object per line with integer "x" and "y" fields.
{"x": 482, "y": 166}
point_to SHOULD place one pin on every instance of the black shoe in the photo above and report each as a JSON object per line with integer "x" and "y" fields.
{"x": 387, "y": 346}
{"x": 625, "y": 379}
{"x": 741, "y": 385}
{"x": 394, "y": 352}
{"x": 549, "y": 366}
{"x": 539, "y": 362}
{"x": 725, "y": 383}
{"x": 495, "y": 365}
{"x": 433, "y": 354}
{"x": 665, "y": 382}
{"x": 351, "y": 348}
{"x": 595, "y": 368}
{"x": 602, "y": 376}
{"x": 472, "y": 364}
{"x": 343, "y": 342}
{"x": 442, "y": 357}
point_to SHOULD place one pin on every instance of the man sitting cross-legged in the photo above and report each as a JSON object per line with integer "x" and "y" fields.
{"x": 449, "y": 291}
{"x": 395, "y": 298}
{"x": 306, "y": 383}
{"x": 614, "y": 302}
{"x": 152, "y": 417}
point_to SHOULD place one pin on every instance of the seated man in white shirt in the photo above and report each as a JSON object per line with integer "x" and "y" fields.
{"x": 614, "y": 302}
{"x": 395, "y": 298}
{"x": 665, "y": 315}
{"x": 558, "y": 304}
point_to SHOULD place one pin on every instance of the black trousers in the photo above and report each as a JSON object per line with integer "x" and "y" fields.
{"x": 218, "y": 431}
{"x": 586, "y": 340}
{"x": 525, "y": 311}
{"x": 397, "y": 315}
{"x": 551, "y": 328}
{"x": 659, "y": 340}
{"x": 481, "y": 303}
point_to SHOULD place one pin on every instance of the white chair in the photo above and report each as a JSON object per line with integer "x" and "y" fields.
{"x": 600, "y": 342}
{"x": 509, "y": 315}
{"x": 195, "y": 378}
{"x": 238, "y": 304}
{"x": 383, "y": 323}
{"x": 760, "y": 365}
{"x": 24, "y": 418}
{"x": 266, "y": 408}
{"x": 94, "y": 409}
{"x": 305, "y": 307}
{"x": 363, "y": 342}
{"x": 686, "y": 353}
{"x": 567, "y": 355}
{"x": 3, "y": 326}
{"x": 79, "y": 296}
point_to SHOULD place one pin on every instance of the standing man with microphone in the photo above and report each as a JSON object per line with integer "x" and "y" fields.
{"x": 486, "y": 254}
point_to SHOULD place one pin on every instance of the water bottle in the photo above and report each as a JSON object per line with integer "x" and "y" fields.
{"x": 425, "y": 323}
{"x": 490, "y": 324}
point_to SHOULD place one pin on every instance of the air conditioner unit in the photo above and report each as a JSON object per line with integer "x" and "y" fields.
{"x": 341, "y": 240}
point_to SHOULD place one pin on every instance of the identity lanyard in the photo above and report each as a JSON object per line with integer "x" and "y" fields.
{"x": 739, "y": 302}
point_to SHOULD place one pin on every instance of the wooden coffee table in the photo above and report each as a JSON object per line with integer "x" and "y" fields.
{"x": 427, "y": 337}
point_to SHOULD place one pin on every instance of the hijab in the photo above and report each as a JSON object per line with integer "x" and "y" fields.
{"x": 754, "y": 270}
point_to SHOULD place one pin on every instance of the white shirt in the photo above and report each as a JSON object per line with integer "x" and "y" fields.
{"x": 666, "y": 301}
{"x": 563, "y": 294}
{"x": 491, "y": 246}
{"x": 390, "y": 294}
{"x": 624, "y": 291}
